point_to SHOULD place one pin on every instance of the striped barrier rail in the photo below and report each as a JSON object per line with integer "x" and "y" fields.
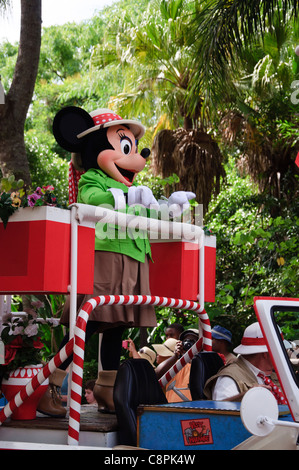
{"x": 76, "y": 346}
{"x": 204, "y": 343}
{"x": 79, "y": 345}
{"x": 36, "y": 381}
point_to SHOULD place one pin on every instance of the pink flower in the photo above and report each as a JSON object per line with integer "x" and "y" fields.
{"x": 16, "y": 331}
{"x": 32, "y": 198}
{"x": 39, "y": 191}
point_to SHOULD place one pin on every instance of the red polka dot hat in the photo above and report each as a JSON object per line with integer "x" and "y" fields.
{"x": 106, "y": 118}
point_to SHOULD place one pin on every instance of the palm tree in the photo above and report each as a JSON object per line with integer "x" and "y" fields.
{"x": 220, "y": 30}
{"x": 13, "y": 158}
{"x": 250, "y": 60}
{"x": 156, "y": 62}
{"x": 264, "y": 123}
{"x": 4, "y": 4}
{"x": 194, "y": 156}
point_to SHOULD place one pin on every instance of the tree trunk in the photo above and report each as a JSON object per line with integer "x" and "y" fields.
{"x": 188, "y": 123}
{"x": 13, "y": 158}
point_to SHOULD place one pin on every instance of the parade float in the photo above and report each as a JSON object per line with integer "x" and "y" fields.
{"x": 195, "y": 425}
{"x": 50, "y": 250}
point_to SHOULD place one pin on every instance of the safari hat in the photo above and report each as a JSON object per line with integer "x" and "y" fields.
{"x": 148, "y": 354}
{"x": 253, "y": 341}
{"x": 287, "y": 344}
{"x": 167, "y": 348}
{"x": 193, "y": 331}
{"x": 103, "y": 118}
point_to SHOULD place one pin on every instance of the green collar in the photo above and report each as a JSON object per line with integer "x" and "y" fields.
{"x": 110, "y": 182}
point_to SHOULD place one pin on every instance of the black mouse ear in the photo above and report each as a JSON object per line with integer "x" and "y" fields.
{"x": 67, "y": 124}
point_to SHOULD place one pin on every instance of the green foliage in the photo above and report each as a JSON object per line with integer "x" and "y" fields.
{"x": 10, "y": 191}
{"x": 257, "y": 254}
{"x": 155, "y": 58}
{"x": 8, "y": 58}
{"x": 47, "y": 307}
{"x": 288, "y": 321}
{"x": 46, "y": 167}
{"x": 10, "y": 184}
{"x": 156, "y": 183}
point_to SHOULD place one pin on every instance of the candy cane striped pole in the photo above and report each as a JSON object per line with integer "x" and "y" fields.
{"x": 187, "y": 357}
{"x": 204, "y": 343}
{"x": 79, "y": 345}
{"x": 36, "y": 381}
{"x": 77, "y": 370}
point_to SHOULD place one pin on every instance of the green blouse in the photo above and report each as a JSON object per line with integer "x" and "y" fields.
{"x": 93, "y": 189}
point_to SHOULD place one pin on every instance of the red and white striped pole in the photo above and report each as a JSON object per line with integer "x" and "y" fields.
{"x": 204, "y": 343}
{"x": 36, "y": 381}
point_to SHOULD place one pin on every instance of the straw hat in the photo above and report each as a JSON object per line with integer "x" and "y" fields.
{"x": 147, "y": 353}
{"x": 103, "y": 117}
{"x": 190, "y": 331}
{"x": 167, "y": 348}
{"x": 253, "y": 341}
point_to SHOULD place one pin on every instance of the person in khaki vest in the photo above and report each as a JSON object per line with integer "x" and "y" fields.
{"x": 234, "y": 379}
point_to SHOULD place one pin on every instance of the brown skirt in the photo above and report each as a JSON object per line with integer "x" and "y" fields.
{"x": 117, "y": 274}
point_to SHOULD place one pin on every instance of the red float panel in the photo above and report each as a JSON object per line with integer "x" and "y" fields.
{"x": 175, "y": 270}
{"x": 35, "y": 252}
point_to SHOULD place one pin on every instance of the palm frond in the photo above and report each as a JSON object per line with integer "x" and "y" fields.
{"x": 223, "y": 27}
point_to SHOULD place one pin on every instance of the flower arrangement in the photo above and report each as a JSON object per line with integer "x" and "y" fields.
{"x": 20, "y": 335}
{"x": 42, "y": 197}
{"x": 13, "y": 195}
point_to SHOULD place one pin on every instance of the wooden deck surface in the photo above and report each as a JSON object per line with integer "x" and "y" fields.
{"x": 91, "y": 420}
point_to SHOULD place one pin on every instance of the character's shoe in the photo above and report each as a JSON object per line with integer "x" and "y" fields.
{"x": 103, "y": 390}
{"x": 50, "y": 404}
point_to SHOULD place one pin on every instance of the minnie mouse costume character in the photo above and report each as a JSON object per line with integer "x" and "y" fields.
{"x": 105, "y": 162}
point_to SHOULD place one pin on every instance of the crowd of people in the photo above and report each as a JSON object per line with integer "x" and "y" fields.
{"x": 246, "y": 366}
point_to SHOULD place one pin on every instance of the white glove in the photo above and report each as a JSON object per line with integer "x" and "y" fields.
{"x": 119, "y": 198}
{"x": 142, "y": 195}
{"x": 178, "y": 201}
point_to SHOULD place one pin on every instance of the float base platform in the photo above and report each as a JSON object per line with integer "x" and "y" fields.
{"x": 197, "y": 425}
{"x": 96, "y": 430}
